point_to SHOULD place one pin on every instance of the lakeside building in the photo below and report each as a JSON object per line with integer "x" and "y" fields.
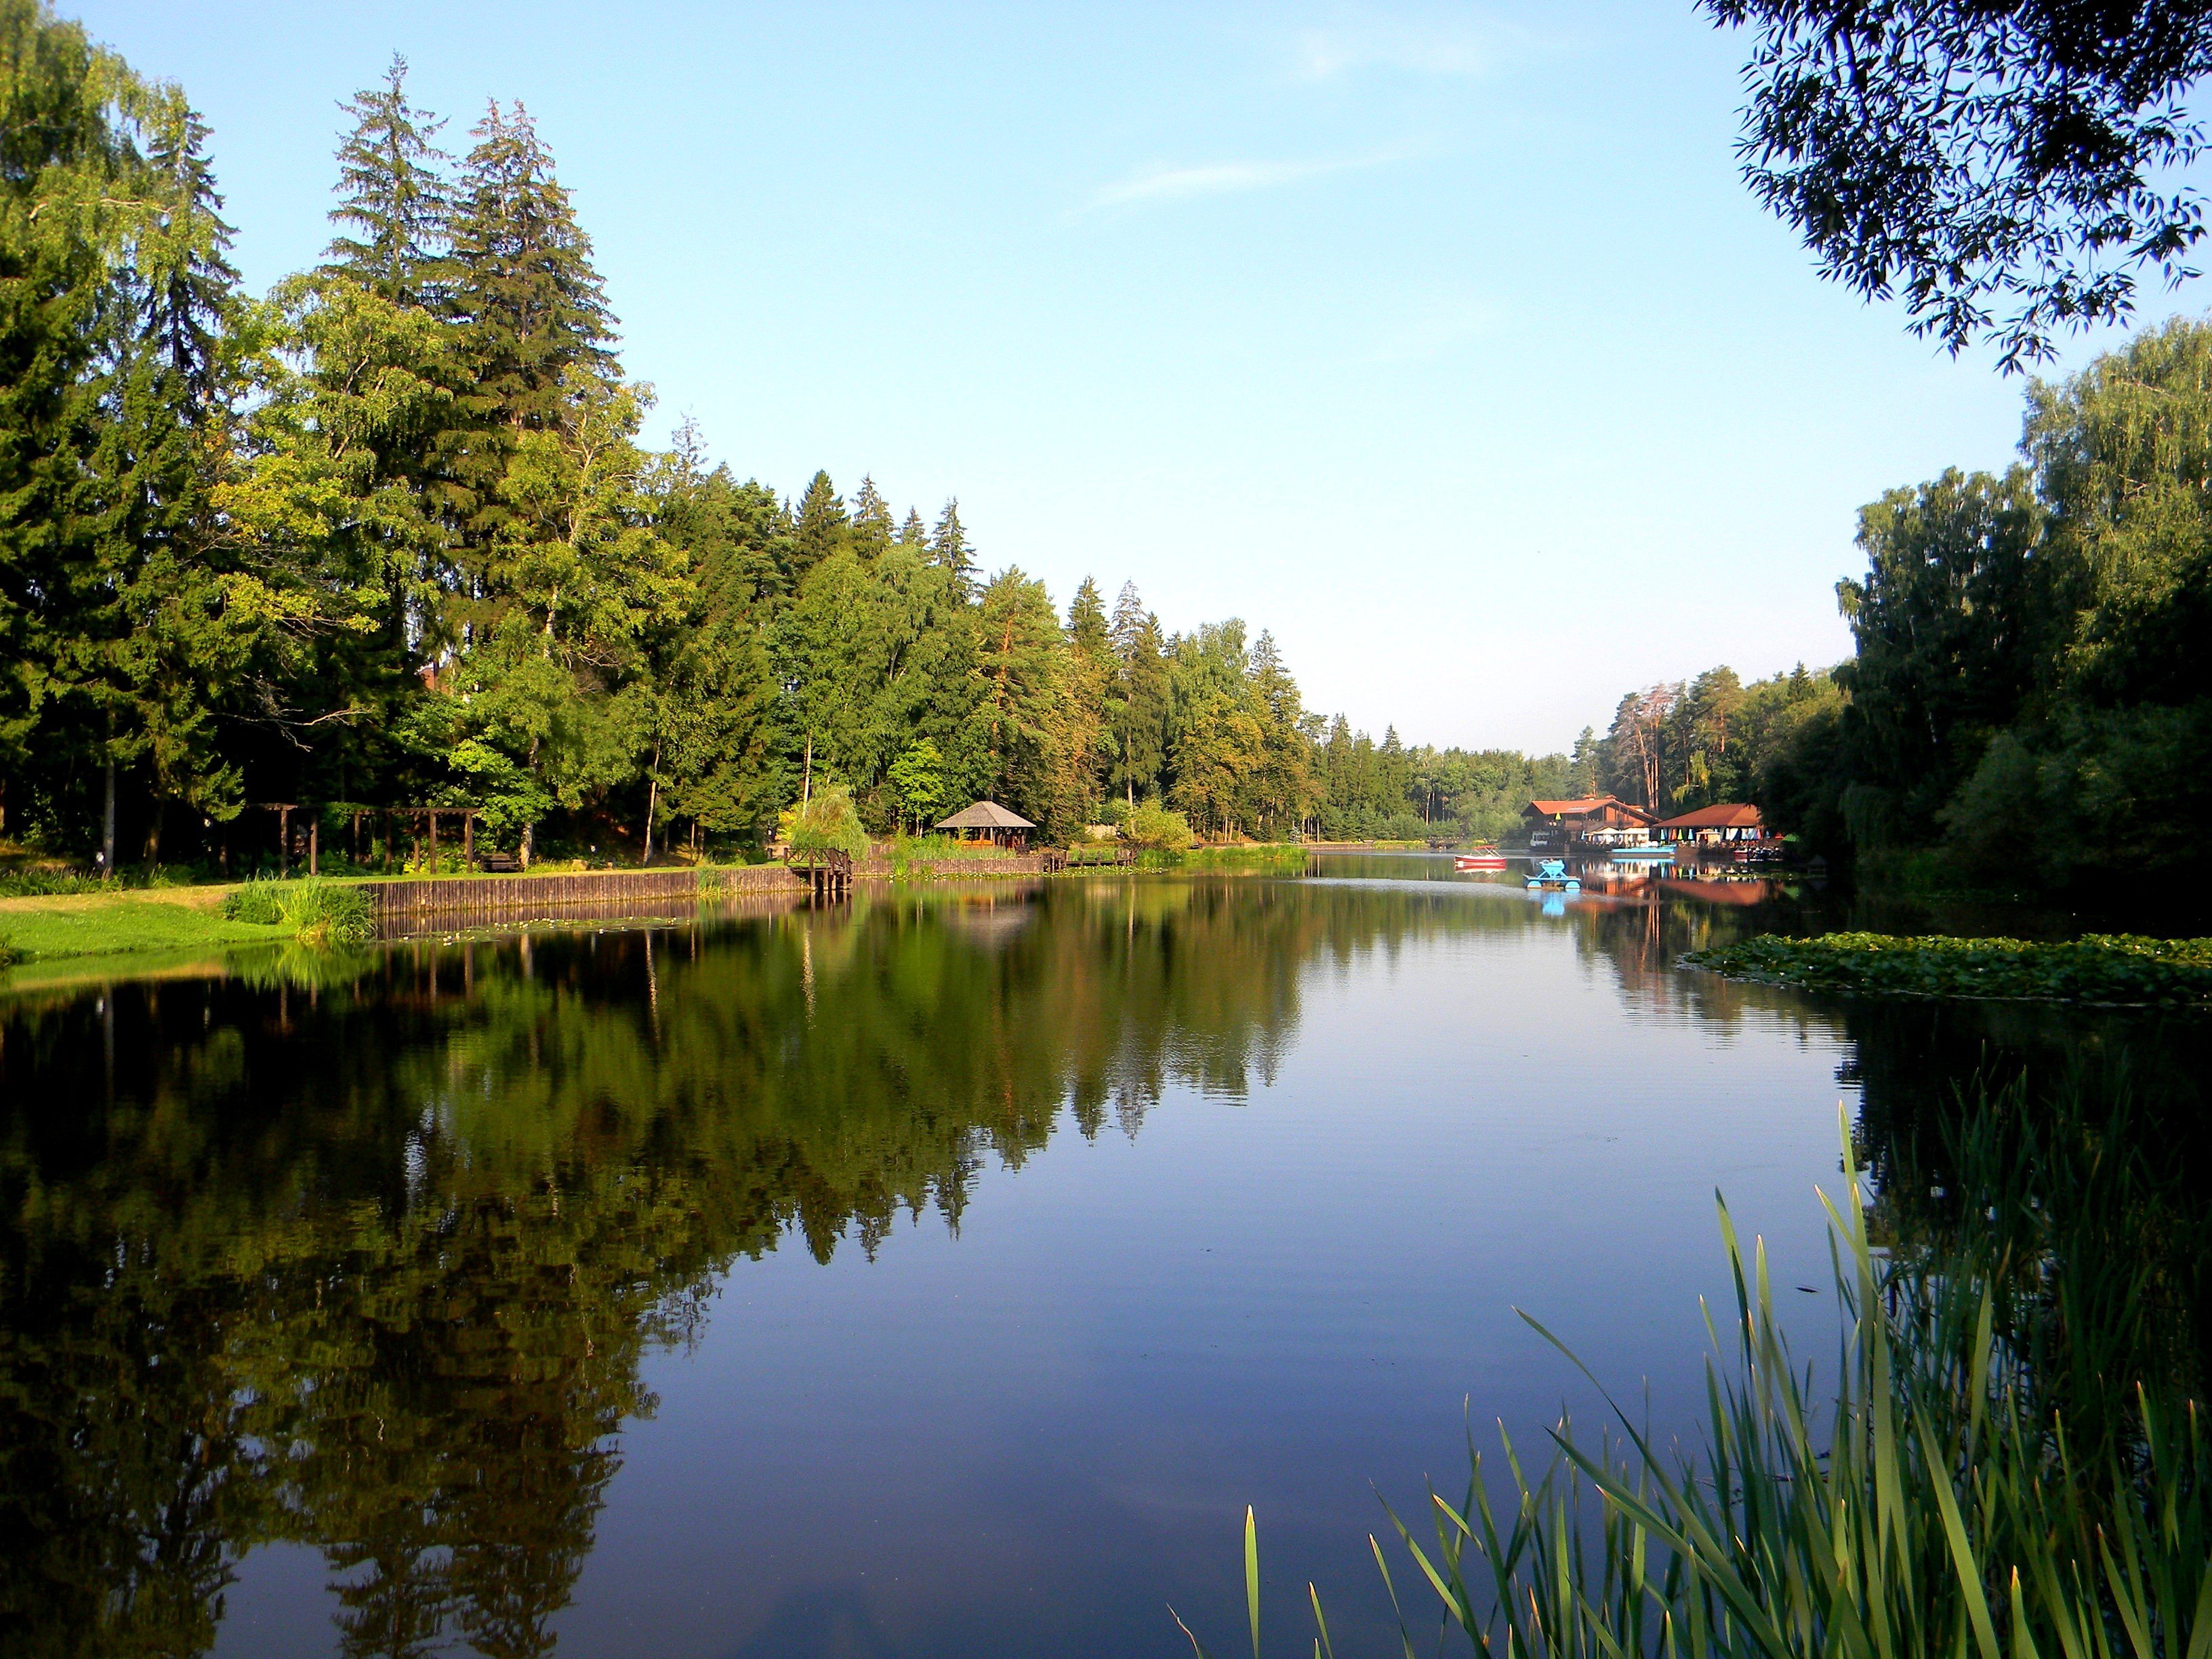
{"x": 986, "y": 820}
{"x": 1555, "y": 826}
{"x": 1730, "y": 822}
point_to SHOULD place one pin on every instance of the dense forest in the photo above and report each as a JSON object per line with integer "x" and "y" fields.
{"x": 2029, "y": 700}
{"x": 388, "y": 536}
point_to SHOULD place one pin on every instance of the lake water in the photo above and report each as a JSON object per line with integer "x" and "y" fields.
{"x": 939, "y": 1275}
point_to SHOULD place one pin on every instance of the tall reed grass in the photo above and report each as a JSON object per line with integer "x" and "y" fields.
{"x": 318, "y": 912}
{"x": 1935, "y": 1500}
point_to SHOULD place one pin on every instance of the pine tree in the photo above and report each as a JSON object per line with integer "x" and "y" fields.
{"x": 525, "y": 288}
{"x": 1141, "y": 692}
{"x": 156, "y": 637}
{"x": 912, "y": 533}
{"x": 948, "y": 546}
{"x": 1086, "y": 744}
{"x": 393, "y": 195}
{"x": 871, "y": 531}
{"x": 58, "y": 246}
{"x": 819, "y": 529}
{"x": 531, "y": 309}
{"x": 1018, "y": 664}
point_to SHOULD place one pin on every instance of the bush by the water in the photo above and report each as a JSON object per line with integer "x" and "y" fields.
{"x": 2120, "y": 969}
{"x": 1149, "y": 825}
{"x": 317, "y": 912}
{"x": 829, "y": 823}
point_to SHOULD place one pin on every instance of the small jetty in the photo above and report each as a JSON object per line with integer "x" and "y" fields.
{"x": 828, "y": 871}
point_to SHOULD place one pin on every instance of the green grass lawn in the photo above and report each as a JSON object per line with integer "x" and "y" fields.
{"x": 39, "y": 929}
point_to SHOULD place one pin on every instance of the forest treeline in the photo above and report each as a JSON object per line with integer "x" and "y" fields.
{"x": 2029, "y": 699}
{"x": 388, "y": 536}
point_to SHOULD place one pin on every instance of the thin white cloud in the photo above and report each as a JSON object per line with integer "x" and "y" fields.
{"x": 1175, "y": 184}
{"x": 1459, "y": 47}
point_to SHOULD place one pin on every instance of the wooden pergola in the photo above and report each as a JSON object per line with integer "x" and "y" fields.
{"x": 422, "y": 819}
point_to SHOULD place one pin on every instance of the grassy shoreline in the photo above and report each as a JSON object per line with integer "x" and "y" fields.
{"x": 46, "y": 927}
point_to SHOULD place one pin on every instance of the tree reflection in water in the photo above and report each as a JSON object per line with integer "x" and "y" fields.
{"x": 364, "y": 1253}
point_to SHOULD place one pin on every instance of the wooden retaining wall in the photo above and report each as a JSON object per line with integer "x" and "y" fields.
{"x": 447, "y": 903}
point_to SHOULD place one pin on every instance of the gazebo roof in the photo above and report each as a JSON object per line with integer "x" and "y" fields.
{"x": 986, "y": 815}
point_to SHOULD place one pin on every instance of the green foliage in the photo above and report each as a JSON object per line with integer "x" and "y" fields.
{"x": 314, "y": 911}
{"x": 829, "y": 823}
{"x": 260, "y": 902}
{"x": 2009, "y": 172}
{"x": 917, "y": 781}
{"x": 47, "y": 884}
{"x": 2116, "y": 969}
{"x": 1151, "y": 826}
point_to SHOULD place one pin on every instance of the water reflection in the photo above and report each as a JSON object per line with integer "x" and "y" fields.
{"x": 363, "y": 1254}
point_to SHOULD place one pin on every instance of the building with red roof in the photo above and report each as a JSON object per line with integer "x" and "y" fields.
{"x": 1730, "y": 821}
{"x": 1601, "y": 820}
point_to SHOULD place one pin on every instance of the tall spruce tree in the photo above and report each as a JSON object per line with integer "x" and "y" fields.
{"x": 871, "y": 532}
{"x": 818, "y": 527}
{"x": 394, "y": 200}
{"x": 1141, "y": 694}
{"x": 155, "y": 637}
{"x": 533, "y": 303}
{"x": 948, "y": 546}
{"x": 65, "y": 163}
{"x": 530, "y": 306}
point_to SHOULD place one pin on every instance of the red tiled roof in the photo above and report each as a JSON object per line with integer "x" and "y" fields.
{"x": 1582, "y": 808}
{"x": 1730, "y": 814}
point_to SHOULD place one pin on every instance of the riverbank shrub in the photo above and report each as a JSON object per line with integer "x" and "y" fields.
{"x": 318, "y": 912}
{"x": 830, "y": 823}
{"x": 1152, "y": 827}
{"x": 2122, "y": 969}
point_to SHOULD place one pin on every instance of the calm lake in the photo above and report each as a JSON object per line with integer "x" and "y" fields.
{"x": 938, "y": 1275}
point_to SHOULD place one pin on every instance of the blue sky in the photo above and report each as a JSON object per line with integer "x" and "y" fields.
{"x": 1443, "y": 340}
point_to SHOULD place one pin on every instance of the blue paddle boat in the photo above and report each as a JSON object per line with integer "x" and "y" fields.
{"x": 1553, "y": 873}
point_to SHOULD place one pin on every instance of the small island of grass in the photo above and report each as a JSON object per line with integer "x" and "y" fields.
{"x": 2124, "y": 969}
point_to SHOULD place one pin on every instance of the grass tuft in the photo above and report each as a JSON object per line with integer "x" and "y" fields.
{"x": 317, "y": 912}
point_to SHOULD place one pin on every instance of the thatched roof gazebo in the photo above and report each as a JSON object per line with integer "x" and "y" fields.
{"x": 986, "y": 820}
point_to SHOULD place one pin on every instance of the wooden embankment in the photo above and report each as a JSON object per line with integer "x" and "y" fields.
{"x": 469, "y": 900}
{"x": 452, "y": 902}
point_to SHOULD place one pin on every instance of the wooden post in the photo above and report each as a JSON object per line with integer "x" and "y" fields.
{"x": 434, "y": 841}
{"x": 283, "y": 841}
{"x": 469, "y": 838}
{"x": 315, "y": 845}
